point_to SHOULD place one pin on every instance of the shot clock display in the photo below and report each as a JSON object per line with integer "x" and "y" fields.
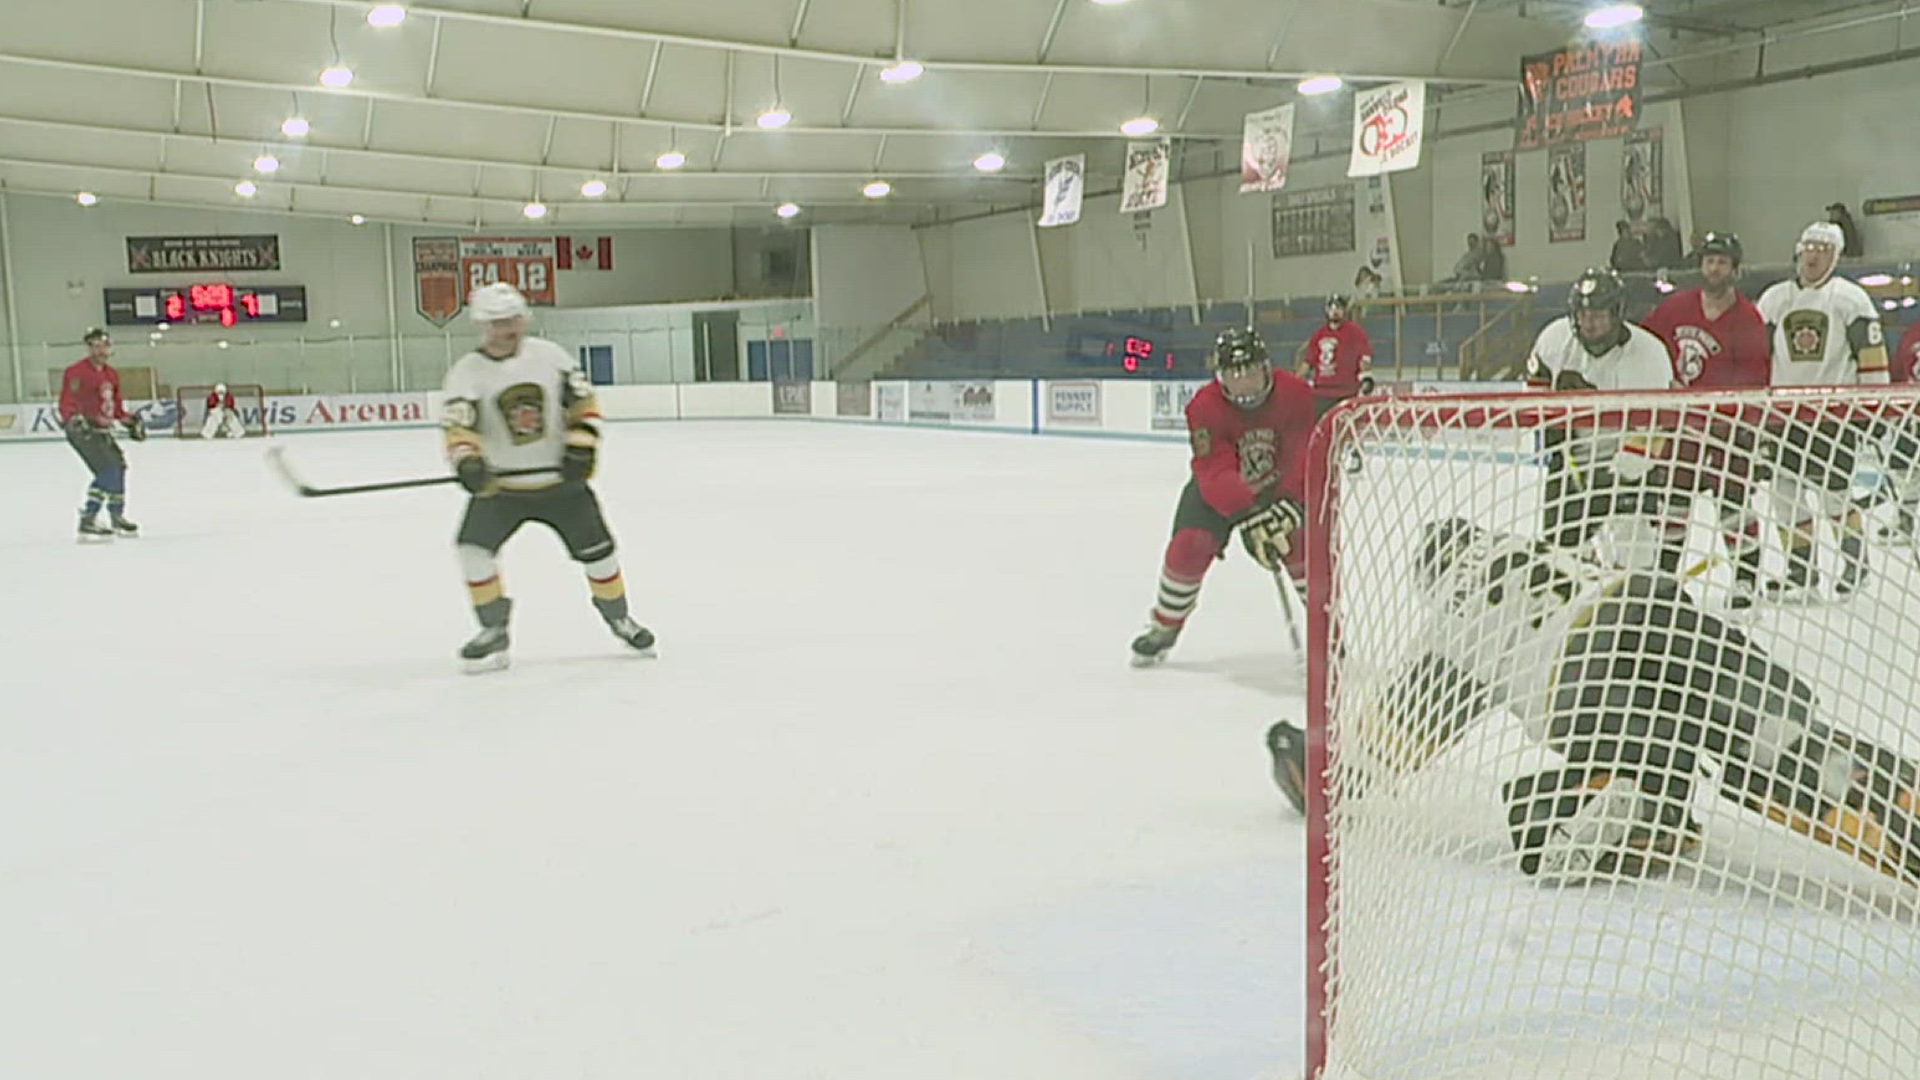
{"x": 206, "y": 302}
{"x": 1127, "y": 355}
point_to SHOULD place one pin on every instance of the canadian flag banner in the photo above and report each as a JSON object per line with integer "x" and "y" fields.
{"x": 579, "y": 253}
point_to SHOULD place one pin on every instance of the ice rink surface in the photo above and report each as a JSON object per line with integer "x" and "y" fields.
{"x": 890, "y": 804}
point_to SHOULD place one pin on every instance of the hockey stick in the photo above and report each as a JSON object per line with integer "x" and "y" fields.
{"x": 1285, "y": 587}
{"x": 276, "y": 457}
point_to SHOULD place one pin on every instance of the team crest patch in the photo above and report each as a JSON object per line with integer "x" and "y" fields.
{"x": 1202, "y": 442}
{"x": 524, "y": 407}
{"x": 1806, "y": 333}
{"x": 1256, "y": 456}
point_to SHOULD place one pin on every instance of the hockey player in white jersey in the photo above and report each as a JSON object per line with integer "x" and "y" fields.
{"x": 223, "y": 416}
{"x": 1635, "y": 687}
{"x": 1825, "y": 332}
{"x": 1591, "y": 475}
{"x": 519, "y": 403}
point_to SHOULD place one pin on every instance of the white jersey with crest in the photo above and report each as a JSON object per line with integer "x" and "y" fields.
{"x": 1811, "y": 346}
{"x": 1494, "y": 614}
{"x": 517, "y": 406}
{"x": 1640, "y": 363}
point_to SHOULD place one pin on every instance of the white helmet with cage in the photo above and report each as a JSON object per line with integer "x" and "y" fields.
{"x": 492, "y": 303}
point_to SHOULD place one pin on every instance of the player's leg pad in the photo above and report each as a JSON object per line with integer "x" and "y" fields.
{"x": 1836, "y": 790}
{"x": 1573, "y": 826}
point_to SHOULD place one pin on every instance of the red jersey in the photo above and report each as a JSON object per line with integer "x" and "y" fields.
{"x": 1337, "y": 356}
{"x": 1906, "y": 356}
{"x": 1727, "y": 353}
{"x": 1238, "y": 452}
{"x": 216, "y": 401}
{"x": 92, "y": 392}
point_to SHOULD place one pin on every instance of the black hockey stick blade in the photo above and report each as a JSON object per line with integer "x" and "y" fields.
{"x": 277, "y": 459}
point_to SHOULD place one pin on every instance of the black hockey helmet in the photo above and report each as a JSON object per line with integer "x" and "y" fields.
{"x": 1238, "y": 347}
{"x": 1722, "y": 243}
{"x": 1598, "y": 289}
{"x": 1339, "y": 300}
{"x": 1442, "y": 542}
{"x": 93, "y": 334}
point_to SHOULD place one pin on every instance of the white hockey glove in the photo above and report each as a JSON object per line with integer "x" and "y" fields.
{"x": 1267, "y": 533}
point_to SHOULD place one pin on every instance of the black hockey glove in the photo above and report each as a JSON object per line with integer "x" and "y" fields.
{"x": 136, "y": 427}
{"x": 475, "y": 476}
{"x": 576, "y": 465}
{"x": 1572, "y": 380}
{"x": 1268, "y": 533}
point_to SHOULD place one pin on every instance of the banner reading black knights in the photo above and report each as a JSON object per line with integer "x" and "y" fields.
{"x": 1578, "y": 93}
{"x": 1496, "y": 196}
{"x": 1643, "y": 176}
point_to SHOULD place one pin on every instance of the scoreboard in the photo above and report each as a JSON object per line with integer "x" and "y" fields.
{"x": 215, "y": 302}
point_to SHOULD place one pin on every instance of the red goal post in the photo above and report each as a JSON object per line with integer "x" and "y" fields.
{"x": 191, "y": 412}
{"x": 1761, "y": 954}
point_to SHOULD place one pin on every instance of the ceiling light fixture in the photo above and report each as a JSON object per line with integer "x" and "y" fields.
{"x": 672, "y": 159}
{"x": 337, "y": 77}
{"x": 1320, "y": 84}
{"x": 266, "y": 163}
{"x": 1613, "y": 15}
{"x": 534, "y": 210}
{"x": 295, "y": 127}
{"x": 86, "y": 198}
{"x": 878, "y": 189}
{"x": 1109, "y": 3}
{"x": 246, "y": 189}
{"x": 386, "y": 16}
{"x": 774, "y": 118}
{"x": 593, "y": 189}
{"x": 1140, "y": 125}
{"x": 787, "y": 210}
{"x": 902, "y": 71}
{"x": 357, "y": 219}
{"x": 990, "y": 162}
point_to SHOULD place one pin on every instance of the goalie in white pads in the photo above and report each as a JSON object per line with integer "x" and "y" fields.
{"x": 223, "y": 416}
{"x": 520, "y": 403}
{"x": 1635, "y": 686}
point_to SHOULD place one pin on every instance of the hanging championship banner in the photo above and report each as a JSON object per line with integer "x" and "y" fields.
{"x": 1266, "y": 145}
{"x": 1643, "y": 176}
{"x": 1577, "y": 93}
{"x": 1567, "y": 193}
{"x": 437, "y": 294}
{"x": 1066, "y": 185}
{"x": 1496, "y": 196}
{"x": 1388, "y": 122}
{"x": 524, "y": 262}
{"x": 1148, "y": 164}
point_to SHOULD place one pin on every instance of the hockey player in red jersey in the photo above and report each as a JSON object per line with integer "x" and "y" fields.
{"x": 1337, "y": 359}
{"x": 1719, "y": 342}
{"x": 1249, "y": 431}
{"x": 90, "y": 404}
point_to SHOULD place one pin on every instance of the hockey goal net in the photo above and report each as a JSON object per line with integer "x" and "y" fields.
{"x": 250, "y": 399}
{"x": 1575, "y": 811}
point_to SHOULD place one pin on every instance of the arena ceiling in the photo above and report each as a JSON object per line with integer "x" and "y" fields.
{"x": 469, "y": 109}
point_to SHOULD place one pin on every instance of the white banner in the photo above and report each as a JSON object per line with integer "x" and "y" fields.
{"x": 1073, "y": 402}
{"x": 1377, "y": 232}
{"x": 973, "y": 402}
{"x": 1148, "y": 164}
{"x": 1066, "y": 186}
{"x": 1266, "y": 145}
{"x": 1387, "y": 126}
{"x": 891, "y": 401}
{"x": 1170, "y": 403}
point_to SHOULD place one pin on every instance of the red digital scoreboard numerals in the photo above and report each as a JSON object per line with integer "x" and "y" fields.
{"x": 1138, "y": 351}
{"x": 176, "y": 307}
{"x": 250, "y": 303}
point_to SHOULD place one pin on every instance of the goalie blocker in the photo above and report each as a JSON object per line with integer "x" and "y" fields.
{"x": 1635, "y": 687}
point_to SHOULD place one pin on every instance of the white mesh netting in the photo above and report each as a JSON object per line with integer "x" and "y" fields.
{"x": 1714, "y": 798}
{"x": 249, "y": 398}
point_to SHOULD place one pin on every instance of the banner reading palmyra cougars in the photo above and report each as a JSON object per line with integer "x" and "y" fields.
{"x": 1388, "y": 123}
{"x": 1146, "y": 184}
{"x": 1266, "y": 145}
{"x": 1066, "y": 186}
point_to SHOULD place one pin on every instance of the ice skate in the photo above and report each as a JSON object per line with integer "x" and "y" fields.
{"x": 124, "y": 526}
{"x": 91, "y": 531}
{"x": 637, "y": 637}
{"x": 1287, "y": 745}
{"x": 486, "y": 652}
{"x": 1853, "y": 566}
{"x": 1151, "y": 647}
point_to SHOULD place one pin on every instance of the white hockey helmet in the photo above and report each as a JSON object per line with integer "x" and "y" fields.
{"x": 491, "y": 303}
{"x": 219, "y": 388}
{"x": 1821, "y": 232}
